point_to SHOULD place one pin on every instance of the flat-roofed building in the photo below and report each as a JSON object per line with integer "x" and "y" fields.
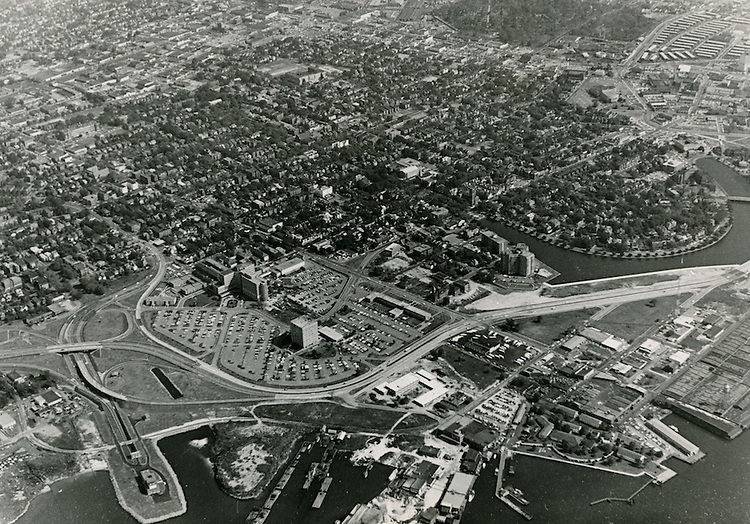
{"x": 455, "y": 497}
{"x": 330, "y": 334}
{"x": 7, "y": 422}
{"x": 573, "y": 343}
{"x": 493, "y": 243}
{"x": 430, "y": 396}
{"x": 253, "y": 286}
{"x": 287, "y": 267}
{"x": 304, "y": 332}
{"x": 151, "y": 482}
{"x": 649, "y": 346}
{"x": 402, "y": 384}
{"x": 671, "y": 436}
{"x": 213, "y": 271}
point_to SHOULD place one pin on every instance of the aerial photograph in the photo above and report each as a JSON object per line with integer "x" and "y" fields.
{"x": 374, "y": 261}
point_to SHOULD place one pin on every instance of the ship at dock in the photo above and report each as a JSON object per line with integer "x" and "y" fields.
{"x": 517, "y": 495}
{"x": 311, "y": 474}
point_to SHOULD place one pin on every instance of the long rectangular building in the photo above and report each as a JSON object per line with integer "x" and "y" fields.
{"x": 674, "y": 438}
{"x": 455, "y": 498}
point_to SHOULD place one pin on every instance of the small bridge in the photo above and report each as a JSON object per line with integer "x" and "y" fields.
{"x": 74, "y": 348}
{"x": 90, "y": 377}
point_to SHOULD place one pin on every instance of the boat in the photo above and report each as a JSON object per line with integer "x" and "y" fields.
{"x": 673, "y": 428}
{"x": 471, "y": 495}
{"x": 517, "y": 495}
{"x": 312, "y": 472}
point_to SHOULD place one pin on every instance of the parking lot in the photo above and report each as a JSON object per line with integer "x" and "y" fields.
{"x": 368, "y": 328}
{"x": 243, "y": 342}
{"x": 199, "y": 330}
{"x": 315, "y": 289}
{"x": 248, "y": 337}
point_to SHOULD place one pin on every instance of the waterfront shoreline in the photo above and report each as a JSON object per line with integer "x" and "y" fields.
{"x": 133, "y": 512}
{"x": 638, "y": 275}
{"x": 631, "y": 255}
{"x": 572, "y": 463}
{"x": 48, "y": 487}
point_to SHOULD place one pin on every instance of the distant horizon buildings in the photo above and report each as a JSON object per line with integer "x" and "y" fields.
{"x": 304, "y": 332}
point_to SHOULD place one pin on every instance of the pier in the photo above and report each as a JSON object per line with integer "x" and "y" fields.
{"x": 629, "y": 500}
{"x": 322, "y": 493}
{"x": 500, "y": 470}
{"x": 310, "y": 475}
{"x": 260, "y": 516}
{"x": 515, "y": 507}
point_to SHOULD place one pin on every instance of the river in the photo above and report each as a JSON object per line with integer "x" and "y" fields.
{"x": 573, "y": 266}
{"x": 716, "y": 490}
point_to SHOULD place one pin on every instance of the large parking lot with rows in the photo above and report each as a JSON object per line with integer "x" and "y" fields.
{"x": 371, "y": 327}
{"x": 315, "y": 289}
{"x": 243, "y": 344}
{"x": 199, "y": 330}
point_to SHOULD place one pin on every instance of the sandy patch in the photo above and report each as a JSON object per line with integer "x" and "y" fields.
{"x": 246, "y": 466}
{"x": 88, "y": 431}
{"x": 199, "y": 443}
{"x": 386, "y": 510}
{"x": 376, "y": 449}
{"x": 250, "y": 458}
{"x": 48, "y": 431}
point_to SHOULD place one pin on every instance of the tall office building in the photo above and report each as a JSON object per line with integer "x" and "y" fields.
{"x": 304, "y": 332}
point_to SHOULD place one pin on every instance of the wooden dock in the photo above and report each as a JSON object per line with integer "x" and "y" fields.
{"x": 500, "y": 471}
{"x": 515, "y": 507}
{"x": 629, "y": 500}
{"x": 318, "y": 502}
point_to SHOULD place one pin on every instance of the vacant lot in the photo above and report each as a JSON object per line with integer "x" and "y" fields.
{"x": 478, "y": 371}
{"x": 550, "y": 328}
{"x": 563, "y": 291}
{"x": 135, "y": 379}
{"x": 361, "y": 419}
{"x": 630, "y": 320}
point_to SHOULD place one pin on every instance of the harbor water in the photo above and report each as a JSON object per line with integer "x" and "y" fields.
{"x": 90, "y": 498}
{"x": 716, "y": 490}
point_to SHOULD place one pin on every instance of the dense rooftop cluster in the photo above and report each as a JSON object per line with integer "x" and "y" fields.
{"x": 255, "y": 129}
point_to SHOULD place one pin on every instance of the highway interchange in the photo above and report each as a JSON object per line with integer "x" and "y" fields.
{"x": 529, "y": 304}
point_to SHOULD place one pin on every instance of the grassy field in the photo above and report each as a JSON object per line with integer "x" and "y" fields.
{"x": 726, "y": 300}
{"x": 106, "y": 324}
{"x": 62, "y": 434}
{"x": 630, "y": 320}
{"x": 19, "y": 336}
{"x": 167, "y": 416}
{"x": 549, "y": 328}
{"x": 137, "y": 380}
{"x": 50, "y": 361}
{"x": 361, "y": 419}
{"x": 478, "y": 371}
